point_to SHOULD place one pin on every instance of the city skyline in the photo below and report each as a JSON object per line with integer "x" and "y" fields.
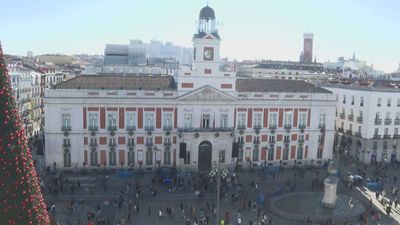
{"x": 260, "y": 30}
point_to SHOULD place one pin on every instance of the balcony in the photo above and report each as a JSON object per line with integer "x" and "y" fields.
{"x": 149, "y": 144}
{"x": 349, "y": 132}
{"x": 272, "y": 127}
{"x": 66, "y": 145}
{"x": 112, "y": 128}
{"x": 148, "y": 128}
{"x": 321, "y": 126}
{"x": 340, "y": 130}
{"x": 396, "y": 136}
{"x": 357, "y": 134}
{"x": 131, "y": 143}
{"x": 93, "y": 128}
{"x": 93, "y": 144}
{"x": 342, "y": 115}
{"x": 286, "y": 140}
{"x": 387, "y": 136}
{"x": 377, "y": 136}
{"x": 302, "y": 126}
{"x": 112, "y": 144}
{"x": 287, "y": 126}
{"x": 257, "y": 127}
{"x": 388, "y": 121}
{"x": 256, "y": 142}
{"x": 378, "y": 121}
{"x": 167, "y": 143}
{"x": 350, "y": 117}
{"x": 397, "y": 121}
{"x": 130, "y": 128}
{"x": 206, "y": 129}
{"x": 66, "y": 128}
{"x": 301, "y": 140}
{"x": 359, "y": 119}
{"x": 167, "y": 127}
{"x": 271, "y": 141}
{"x": 321, "y": 140}
{"x": 241, "y": 127}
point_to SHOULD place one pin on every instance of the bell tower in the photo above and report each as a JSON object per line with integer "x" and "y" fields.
{"x": 206, "y": 42}
{"x": 205, "y": 69}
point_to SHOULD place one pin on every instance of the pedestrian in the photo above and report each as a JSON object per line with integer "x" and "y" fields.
{"x": 396, "y": 201}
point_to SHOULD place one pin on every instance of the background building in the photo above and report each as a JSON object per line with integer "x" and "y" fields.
{"x": 368, "y": 119}
{"x": 307, "y": 53}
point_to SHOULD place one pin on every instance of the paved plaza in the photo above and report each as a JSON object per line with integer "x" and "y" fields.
{"x": 106, "y": 198}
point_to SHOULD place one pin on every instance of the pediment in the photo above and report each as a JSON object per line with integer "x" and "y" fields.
{"x": 206, "y": 93}
{"x": 209, "y": 36}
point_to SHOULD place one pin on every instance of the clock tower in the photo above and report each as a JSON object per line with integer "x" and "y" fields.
{"x": 205, "y": 69}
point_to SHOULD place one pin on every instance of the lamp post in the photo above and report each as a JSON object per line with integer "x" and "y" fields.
{"x": 216, "y": 170}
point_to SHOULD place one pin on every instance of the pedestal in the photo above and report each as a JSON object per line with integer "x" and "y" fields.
{"x": 330, "y": 197}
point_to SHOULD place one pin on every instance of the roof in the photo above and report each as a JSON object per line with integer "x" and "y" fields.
{"x": 364, "y": 85}
{"x": 207, "y": 13}
{"x": 117, "y": 82}
{"x": 275, "y": 85}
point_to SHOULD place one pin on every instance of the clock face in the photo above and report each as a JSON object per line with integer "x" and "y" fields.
{"x": 208, "y": 54}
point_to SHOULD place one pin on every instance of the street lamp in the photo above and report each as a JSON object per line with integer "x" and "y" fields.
{"x": 216, "y": 170}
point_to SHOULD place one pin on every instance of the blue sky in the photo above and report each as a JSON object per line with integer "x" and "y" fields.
{"x": 253, "y": 29}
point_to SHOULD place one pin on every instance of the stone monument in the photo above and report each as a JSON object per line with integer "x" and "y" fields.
{"x": 330, "y": 197}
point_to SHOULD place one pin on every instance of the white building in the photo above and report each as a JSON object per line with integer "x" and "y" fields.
{"x": 191, "y": 120}
{"x": 26, "y": 90}
{"x": 368, "y": 120}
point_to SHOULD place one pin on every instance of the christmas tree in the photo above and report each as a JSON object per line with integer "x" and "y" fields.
{"x": 21, "y": 202}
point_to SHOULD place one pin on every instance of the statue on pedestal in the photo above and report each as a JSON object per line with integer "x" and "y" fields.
{"x": 330, "y": 197}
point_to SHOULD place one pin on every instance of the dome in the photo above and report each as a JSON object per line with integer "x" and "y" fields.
{"x": 207, "y": 13}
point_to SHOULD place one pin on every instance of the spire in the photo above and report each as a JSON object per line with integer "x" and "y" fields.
{"x": 354, "y": 55}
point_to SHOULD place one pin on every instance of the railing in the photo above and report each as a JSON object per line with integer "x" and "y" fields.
{"x": 388, "y": 121}
{"x": 66, "y": 128}
{"x": 349, "y": 132}
{"x": 340, "y": 129}
{"x": 302, "y": 126}
{"x": 272, "y": 127}
{"x": 167, "y": 143}
{"x": 169, "y": 127}
{"x": 241, "y": 127}
{"x": 256, "y": 142}
{"x": 378, "y": 121}
{"x": 397, "y": 121}
{"x": 342, "y": 115}
{"x": 112, "y": 128}
{"x": 350, "y": 117}
{"x": 286, "y": 140}
{"x": 130, "y": 128}
{"x": 149, "y": 144}
{"x": 148, "y": 128}
{"x": 321, "y": 140}
{"x": 257, "y": 127}
{"x": 271, "y": 141}
{"x": 359, "y": 119}
{"x": 112, "y": 144}
{"x": 93, "y": 128}
{"x": 66, "y": 145}
{"x": 387, "y": 136}
{"x": 301, "y": 141}
{"x": 206, "y": 129}
{"x": 131, "y": 143}
{"x": 321, "y": 126}
{"x": 93, "y": 144}
{"x": 357, "y": 134}
{"x": 396, "y": 136}
{"x": 377, "y": 136}
{"x": 287, "y": 126}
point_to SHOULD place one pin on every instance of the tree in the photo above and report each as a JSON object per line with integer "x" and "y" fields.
{"x": 21, "y": 201}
